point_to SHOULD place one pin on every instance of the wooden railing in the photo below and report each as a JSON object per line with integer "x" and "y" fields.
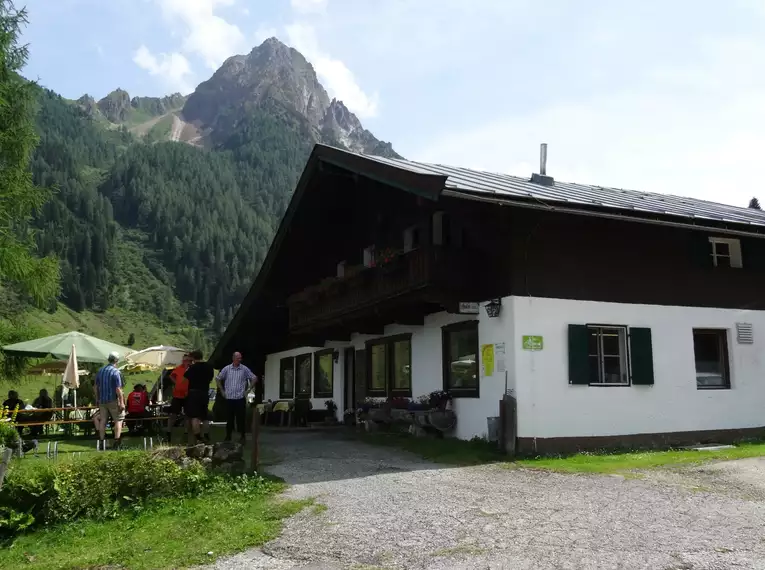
{"x": 408, "y": 272}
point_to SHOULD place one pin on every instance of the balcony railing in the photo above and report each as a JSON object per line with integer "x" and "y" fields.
{"x": 442, "y": 268}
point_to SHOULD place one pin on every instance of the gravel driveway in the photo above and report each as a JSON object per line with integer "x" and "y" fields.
{"x": 388, "y": 509}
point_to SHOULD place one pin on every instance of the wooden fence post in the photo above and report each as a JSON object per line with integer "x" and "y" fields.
{"x": 255, "y": 457}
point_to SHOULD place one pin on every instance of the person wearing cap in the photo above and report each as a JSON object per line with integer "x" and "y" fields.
{"x": 110, "y": 399}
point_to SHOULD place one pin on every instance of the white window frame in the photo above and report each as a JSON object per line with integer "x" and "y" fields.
{"x": 369, "y": 256}
{"x": 734, "y": 251}
{"x": 624, "y": 359}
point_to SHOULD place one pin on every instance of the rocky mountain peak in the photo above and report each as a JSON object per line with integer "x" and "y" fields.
{"x": 276, "y": 73}
{"x": 115, "y": 106}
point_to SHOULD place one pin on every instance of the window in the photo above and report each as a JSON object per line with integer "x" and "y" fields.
{"x": 460, "y": 359}
{"x": 322, "y": 386}
{"x": 710, "y": 349}
{"x": 411, "y": 238}
{"x": 303, "y": 365}
{"x": 369, "y": 256}
{"x": 287, "y": 378}
{"x": 725, "y": 252}
{"x": 401, "y": 364}
{"x": 607, "y": 352}
{"x": 390, "y": 363}
{"x": 609, "y": 355}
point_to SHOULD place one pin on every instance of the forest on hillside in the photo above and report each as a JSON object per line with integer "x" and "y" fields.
{"x": 164, "y": 228}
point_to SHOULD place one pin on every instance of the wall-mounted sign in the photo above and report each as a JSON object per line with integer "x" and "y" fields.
{"x": 468, "y": 308}
{"x": 499, "y": 357}
{"x": 533, "y": 342}
{"x": 487, "y": 359}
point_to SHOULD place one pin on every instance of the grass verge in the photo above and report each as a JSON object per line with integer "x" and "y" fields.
{"x": 477, "y": 452}
{"x": 638, "y": 460}
{"x": 175, "y": 534}
{"x": 448, "y": 451}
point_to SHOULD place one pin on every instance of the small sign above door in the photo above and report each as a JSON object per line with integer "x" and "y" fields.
{"x": 468, "y": 308}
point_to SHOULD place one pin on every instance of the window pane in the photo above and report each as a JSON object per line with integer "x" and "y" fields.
{"x": 611, "y": 342}
{"x": 287, "y": 378}
{"x": 402, "y": 379}
{"x": 722, "y": 248}
{"x": 612, "y": 370}
{"x": 378, "y": 369}
{"x": 304, "y": 374}
{"x": 324, "y": 374}
{"x": 462, "y": 358}
{"x": 708, "y": 349}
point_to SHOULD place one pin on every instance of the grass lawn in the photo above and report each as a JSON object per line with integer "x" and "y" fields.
{"x": 625, "y": 462}
{"x": 463, "y": 453}
{"x": 168, "y": 535}
{"x": 448, "y": 451}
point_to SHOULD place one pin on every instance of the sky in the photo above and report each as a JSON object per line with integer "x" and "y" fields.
{"x": 654, "y": 95}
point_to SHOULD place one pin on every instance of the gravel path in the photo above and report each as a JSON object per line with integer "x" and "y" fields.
{"x": 388, "y": 509}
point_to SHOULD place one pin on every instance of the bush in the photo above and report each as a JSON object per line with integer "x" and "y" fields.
{"x": 101, "y": 486}
{"x": 9, "y": 437}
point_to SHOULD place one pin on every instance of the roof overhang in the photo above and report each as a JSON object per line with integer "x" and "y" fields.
{"x": 429, "y": 186}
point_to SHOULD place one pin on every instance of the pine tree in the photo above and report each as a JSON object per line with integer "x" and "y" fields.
{"x": 754, "y": 203}
{"x": 19, "y": 196}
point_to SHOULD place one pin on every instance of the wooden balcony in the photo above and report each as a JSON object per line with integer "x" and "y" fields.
{"x": 430, "y": 275}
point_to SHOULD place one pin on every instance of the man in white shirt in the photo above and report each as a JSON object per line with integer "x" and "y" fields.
{"x": 234, "y": 381}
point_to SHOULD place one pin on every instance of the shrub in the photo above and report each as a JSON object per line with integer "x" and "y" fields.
{"x": 101, "y": 486}
{"x": 9, "y": 437}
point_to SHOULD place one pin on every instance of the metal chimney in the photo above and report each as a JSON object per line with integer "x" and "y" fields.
{"x": 543, "y": 159}
{"x": 542, "y": 178}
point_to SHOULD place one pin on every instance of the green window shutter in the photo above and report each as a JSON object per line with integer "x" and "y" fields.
{"x": 641, "y": 353}
{"x": 578, "y": 358}
{"x": 700, "y": 249}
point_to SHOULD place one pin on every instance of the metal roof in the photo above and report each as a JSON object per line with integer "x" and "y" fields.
{"x": 504, "y": 187}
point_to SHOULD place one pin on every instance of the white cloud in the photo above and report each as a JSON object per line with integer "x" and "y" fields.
{"x": 173, "y": 68}
{"x": 694, "y": 130}
{"x": 308, "y": 6}
{"x": 333, "y": 73}
{"x": 204, "y": 33}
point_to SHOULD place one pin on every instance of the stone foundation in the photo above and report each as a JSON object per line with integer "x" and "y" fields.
{"x": 566, "y": 445}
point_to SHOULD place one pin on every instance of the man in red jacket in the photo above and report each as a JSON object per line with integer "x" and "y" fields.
{"x": 137, "y": 401}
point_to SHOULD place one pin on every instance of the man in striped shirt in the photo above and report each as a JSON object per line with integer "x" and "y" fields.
{"x": 110, "y": 399}
{"x": 233, "y": 382}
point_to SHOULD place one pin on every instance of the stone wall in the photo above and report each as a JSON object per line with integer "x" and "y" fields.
{"x": 224, "y": 458}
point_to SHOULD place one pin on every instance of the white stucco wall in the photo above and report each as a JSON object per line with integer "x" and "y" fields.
{"x": 548, "y": 406}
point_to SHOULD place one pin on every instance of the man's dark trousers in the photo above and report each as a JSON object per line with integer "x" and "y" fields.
{"x": 237, "y": 414}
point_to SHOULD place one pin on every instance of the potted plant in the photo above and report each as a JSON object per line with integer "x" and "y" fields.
{"x": 438, "y": 399}
{"x": 420, "y": 404}
{"x": 398, "y": 402}
{"x": 349, "y": 417}
{"x": 331, "y": 411}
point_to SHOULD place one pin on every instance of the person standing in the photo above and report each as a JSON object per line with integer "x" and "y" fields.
{"x": 199, "y": 375}
{"x": 110, "y": 399}
{"x": 180, "y": 392}
{"x": 233, "y": 382}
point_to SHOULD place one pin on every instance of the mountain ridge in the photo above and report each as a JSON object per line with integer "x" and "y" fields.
{"x": 271, "y": 74}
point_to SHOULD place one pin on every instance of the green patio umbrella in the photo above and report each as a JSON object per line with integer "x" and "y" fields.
{"x": 89, "y": 349}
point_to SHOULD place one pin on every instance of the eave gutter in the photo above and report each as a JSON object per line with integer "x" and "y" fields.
{"x": 609, "y": 216}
